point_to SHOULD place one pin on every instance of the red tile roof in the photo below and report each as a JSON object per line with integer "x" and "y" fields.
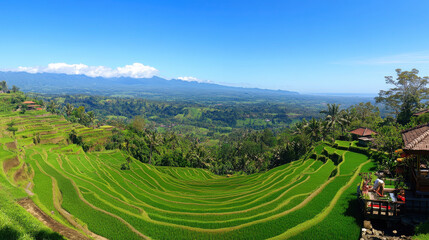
{"x": 28, "y": 102}
{"x": 39, "y": 109}
{"x": 33, "y": 105}
{"x": 363, "y": 132}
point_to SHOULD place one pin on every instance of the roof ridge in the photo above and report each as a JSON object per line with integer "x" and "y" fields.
{"x": 417, "y": 140}
{"x": 413, "y": 128}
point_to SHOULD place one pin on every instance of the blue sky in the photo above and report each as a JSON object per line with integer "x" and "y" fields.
{"x": 305, "y": 46}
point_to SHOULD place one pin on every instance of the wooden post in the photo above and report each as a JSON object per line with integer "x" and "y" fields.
{"x": 418, "y": 173}
{"x": 379, "y": 208}
{"x": 372, "y": 207}
{"x": 418, "y": 165}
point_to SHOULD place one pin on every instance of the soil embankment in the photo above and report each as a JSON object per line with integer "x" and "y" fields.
{"x": 67, "y": 232}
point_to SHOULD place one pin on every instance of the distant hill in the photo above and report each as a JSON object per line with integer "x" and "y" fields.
{"x": 155, "y": 87}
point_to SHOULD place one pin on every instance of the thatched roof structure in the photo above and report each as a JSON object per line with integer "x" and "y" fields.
{"x": 416, "y": 139}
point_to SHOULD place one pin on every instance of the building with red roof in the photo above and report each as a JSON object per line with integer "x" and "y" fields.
{"x": 364, "y": 135}
{"x": 363, "y": 132}
{"x": 31, "y": 105}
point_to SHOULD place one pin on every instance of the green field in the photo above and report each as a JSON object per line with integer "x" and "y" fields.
{"x": 299, "y": 200}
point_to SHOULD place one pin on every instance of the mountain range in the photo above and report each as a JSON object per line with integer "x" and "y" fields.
{"x": 154, "y": 88}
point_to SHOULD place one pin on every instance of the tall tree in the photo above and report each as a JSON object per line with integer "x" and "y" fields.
{"x": 389, "y": 139}
{"x": 138, "y": 123}
{"x": 364, "y": 115}
{"x": 406, "y": 95}
{"x": 15, "y": 89}
{"x": 3, "y": 85}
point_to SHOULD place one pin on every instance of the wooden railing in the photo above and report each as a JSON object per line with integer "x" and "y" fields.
{"x": 382, "y": 208}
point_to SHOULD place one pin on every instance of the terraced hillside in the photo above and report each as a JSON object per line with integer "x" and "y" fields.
{"x": 310, "y": 197}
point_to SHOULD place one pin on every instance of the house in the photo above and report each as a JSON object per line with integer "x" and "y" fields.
{"x": 364, "y": 135}
{"x": 416, "y": 148}
{"x": 415, "y": 172}
{"x": 416, "y": 143}
{"x": 31, "y": 105}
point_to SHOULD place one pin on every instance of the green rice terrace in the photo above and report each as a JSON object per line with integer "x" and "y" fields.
{"x": 88, "y": 191}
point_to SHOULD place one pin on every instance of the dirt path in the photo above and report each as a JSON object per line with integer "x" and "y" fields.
{"x": 27, "y": 189}
{"x": 69, "y": 233}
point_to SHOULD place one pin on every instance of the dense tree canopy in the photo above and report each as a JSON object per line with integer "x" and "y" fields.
{"x": 406, "y": 95}
{"x": 236, "y": 137}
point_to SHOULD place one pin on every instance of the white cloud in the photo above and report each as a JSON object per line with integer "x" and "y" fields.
{"x": 406, "y": 58}
{"x": 193, "y": 79}
{"x": 136, "y": 70}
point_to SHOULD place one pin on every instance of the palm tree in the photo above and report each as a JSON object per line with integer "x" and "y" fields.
{"x": 345, "y": 120}
{"x": 91, "y": 118}
{"x": 153, "y": 142}
{"x": 299, "y": 127}
{"x": 68, "y": 109}
{"x": 52, "y": 107}
{"x": 333, "y": 116}
{"x": 314, "y": 129}
{"x": 171, "y": 139}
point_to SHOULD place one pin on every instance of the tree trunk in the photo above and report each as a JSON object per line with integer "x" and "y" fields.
{"x": 150, "y": 154}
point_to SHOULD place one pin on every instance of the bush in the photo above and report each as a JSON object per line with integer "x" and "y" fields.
{"x": 322, "y": 158}
{"x": 334, "y": 172}
{"x": 325, "y": 152}
{"x": 98, "y": 148}
{"x": 379, "y": 156}
{"x": 125, "y": 166}
{"x": 359, "y": 150}
{"x": 343, "y": 147}
{"x": 422, "y": 228}
{"x": 336, "y": 158}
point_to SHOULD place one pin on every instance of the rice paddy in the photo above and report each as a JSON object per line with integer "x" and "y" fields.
{"x": 89, "y": 191}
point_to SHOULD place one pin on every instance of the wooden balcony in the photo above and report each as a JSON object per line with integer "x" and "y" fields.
{"x": 375, "y": 208}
